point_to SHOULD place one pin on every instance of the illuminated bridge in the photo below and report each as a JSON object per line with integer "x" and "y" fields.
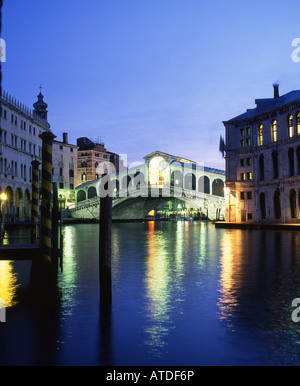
{"x": 162, "y": 179}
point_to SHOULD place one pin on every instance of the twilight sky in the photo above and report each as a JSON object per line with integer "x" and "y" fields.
{"x": 146, "y": 75}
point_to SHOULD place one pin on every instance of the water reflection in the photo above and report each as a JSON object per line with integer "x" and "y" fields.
{"x": 158, "y": 290}
{"x": 228, "y": 275}
{"x": 8, "y": 283}
{"x": 259, "y": 278}
{"x": 68, "y": 283}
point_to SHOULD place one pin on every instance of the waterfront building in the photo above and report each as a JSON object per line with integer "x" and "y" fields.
{"x": 20, "y": 144}
{"x": 64, "y": 170}
{"x": 263, "y": 161}
{"x": 93, "y": 160}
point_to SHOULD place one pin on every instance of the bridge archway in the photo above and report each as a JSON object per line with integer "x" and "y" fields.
{"x": 138, "y": 179}
{"x": 218, "y": 187}
{"x": 81, "y": 196}
{"x": 92, "y": 192}
{"x": 204, "y": 185}
{"x": 176, "y": 179}
{"x": 126, "y": 181}
{"x": 190, "y": 181}
{"x": 158, "y": 171}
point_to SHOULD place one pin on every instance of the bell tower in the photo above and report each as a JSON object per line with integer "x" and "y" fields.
{"x": 40, "y": 107}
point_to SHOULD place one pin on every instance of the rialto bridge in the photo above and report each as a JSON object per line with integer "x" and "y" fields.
{"x": 161, "y": 179}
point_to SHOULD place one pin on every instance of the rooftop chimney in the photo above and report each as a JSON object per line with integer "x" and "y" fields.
{"x": 276, "y": 90}
{"x": 65, "y": 138}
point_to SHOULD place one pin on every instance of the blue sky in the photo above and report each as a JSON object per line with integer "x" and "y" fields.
{"x": 146, "y": 75}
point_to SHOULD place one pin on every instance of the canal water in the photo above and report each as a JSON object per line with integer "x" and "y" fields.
{"x": 184, "y": 293}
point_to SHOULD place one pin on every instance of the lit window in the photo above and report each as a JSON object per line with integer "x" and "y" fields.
{"x": 274, "y": 131}
{"x": 298, "y": 123}
{"x": 249, "y": 162}
{"x": 242, "y": 131}
{"x": 260, "y": 139}
{"x": 243, "y": 195}
{"x": 249, "y": 175}
{"x": 242, "y": 143}
{"x": 248, "y": 131}
{"x": 248, "y": 141}
{"x": 291, "y": 126}
{"x": 243, "y": 176}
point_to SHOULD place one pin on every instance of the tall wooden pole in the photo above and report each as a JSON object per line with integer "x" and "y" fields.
{"x": 46, "y": 210}
{"x": 55, "y": 228}
{"x": 35, "y": 199}
{"x": 105, "y": 241}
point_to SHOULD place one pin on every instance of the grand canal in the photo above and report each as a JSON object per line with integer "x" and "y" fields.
{"x": 184, "y": 293}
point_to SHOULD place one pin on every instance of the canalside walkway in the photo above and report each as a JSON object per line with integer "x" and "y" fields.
{"x": 260, "y": 225}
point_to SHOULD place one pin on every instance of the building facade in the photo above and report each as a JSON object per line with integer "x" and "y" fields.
{"x": 263, "y": 161}
{"x": 20, "y": 144}
{"x": 64, "y": 170}
{"x": 93, "y": 160}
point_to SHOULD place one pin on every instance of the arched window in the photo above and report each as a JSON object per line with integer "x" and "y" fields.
{"x": 83, "y": 164}
{"x": 298, "y": 123}
{"x": 260, "y": 137}
{"x": 277, "y": 206}
{"x": 83, "y": 177}
{"x": 293, "y": 203}
{"x": 298, "y": 159}
{"x": 290, "y": 126}
{"x": 261, "y": 168}
{"x": 262, "y": 201}
{"x": 275, "y": 163}
{"x": 291, "y": 161}
{"x": 274, "y": 131}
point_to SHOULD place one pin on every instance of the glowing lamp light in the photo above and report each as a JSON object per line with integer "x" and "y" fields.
{"x": 3, "y": 197}
{"x": 227, "y": 191}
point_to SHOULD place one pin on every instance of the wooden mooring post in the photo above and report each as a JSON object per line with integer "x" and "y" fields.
{"x": 55, "y": 216}
{"x": 35, "y": 200}
{"x": 46, "y": 210}
{"x": 105, "y": 241}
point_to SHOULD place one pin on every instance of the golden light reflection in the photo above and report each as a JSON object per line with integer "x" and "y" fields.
{"x": 157, "y": 282}
{"x": 115, "y": 252}
{"x": 8, "y": 283}
{"x": 231, "y": 249}
{"x": 69, "y": 270}
{"x": 179, "y": 246}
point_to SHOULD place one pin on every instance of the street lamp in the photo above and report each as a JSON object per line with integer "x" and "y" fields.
{"x": 3, "y": 198}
